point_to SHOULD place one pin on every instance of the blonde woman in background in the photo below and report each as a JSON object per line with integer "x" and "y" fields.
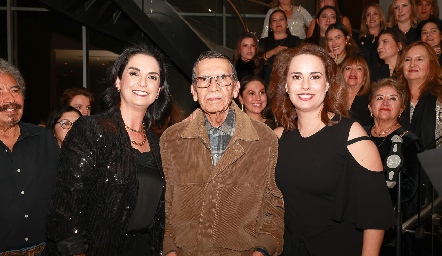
{"x": 403, "y": 15}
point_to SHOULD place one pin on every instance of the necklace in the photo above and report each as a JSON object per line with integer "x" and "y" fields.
{"x": 386, "y": 132}
{"x": 281, "y": 42}
{"x": 291, "y": 6}
{"x": 141, "y": 143}
{"x": 138, "y": 131}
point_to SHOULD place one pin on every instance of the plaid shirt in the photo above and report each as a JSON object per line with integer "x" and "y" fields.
{"x": 220, "y": 137}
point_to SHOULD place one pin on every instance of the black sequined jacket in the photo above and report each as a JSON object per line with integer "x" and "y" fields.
{"x": 97, "y": 189}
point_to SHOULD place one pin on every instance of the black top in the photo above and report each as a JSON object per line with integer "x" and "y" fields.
{"x": 423, "y": 123}
{"x": 267, "y": 43}
{"x": 244, "y": 69}
{"x": 329, "y": 198}
{"x": 97, "y": 189}
{"x": 368, "y": 46}
{"x": 27, "y": 181}
{"x": 149, "y": 192}
{"x": 359, "y": 110}
{"x": 379, "y": 72}
{"x": 411, "y": 145}
{"x": 411, "y": 36}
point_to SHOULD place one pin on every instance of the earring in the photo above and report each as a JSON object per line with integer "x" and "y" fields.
{"x": 118, "y": 89}
{"x": 399, "y": 115}
{"x": 242, "y": 107}
{"x": 371, "y": 114}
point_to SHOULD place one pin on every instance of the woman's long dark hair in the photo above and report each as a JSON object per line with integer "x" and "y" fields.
{"x": 316, "y": 35}
{"x": 158, "y": 111}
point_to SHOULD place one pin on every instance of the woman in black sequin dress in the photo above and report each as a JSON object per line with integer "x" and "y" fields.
{"x": 109, "y": 198}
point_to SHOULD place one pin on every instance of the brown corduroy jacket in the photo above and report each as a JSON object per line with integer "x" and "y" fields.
{"x": 227, "y": 209}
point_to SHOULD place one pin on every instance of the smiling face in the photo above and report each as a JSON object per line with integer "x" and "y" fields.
{"x": 336, "y": 42}
{"x": 60, "y": 132}
{"x": 140, "y": 82}
{"x": 354, "y": 75}
{"x": 416, "y": 64}
{"x": 388, "y": 49}
{"x": 386, "y": 104}
{"x": 424, "y": 9}
{"x": 373, "y": 17}
{"x": 306, "y": 83}
{"x": 402, "y": 11}
{"x": 247, "y": 49}
{"x": 431, "y": 34}
{"x": 326, "y": 18}
{"x": 254, "y": 97}
{"x": 278, "y": 22}
{"x": 11, "y": 102}
{"x": 82, "y": 103}
{"x": 215, "y": 99}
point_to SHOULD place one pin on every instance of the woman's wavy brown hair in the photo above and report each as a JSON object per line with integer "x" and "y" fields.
{"x": 335, "y": 99}
{"x": 433, "y": 81}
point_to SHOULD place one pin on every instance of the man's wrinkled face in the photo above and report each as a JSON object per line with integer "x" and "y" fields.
{"x": 11, "y": 101}
{"x": 221, "y": 88}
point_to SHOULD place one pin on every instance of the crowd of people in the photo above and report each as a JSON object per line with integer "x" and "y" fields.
{"x": 286, "y": 154}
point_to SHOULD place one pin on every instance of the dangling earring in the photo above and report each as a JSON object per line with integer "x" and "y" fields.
{"x": 118, "y": 89}
{"x": 371, "y": 114}
{"x": 158, "y": 94}
{"x": 242, "y": 107}
{"x": 399, "y": 115}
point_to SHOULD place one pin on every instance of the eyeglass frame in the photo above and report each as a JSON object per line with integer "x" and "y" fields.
{"x": 62, "y": 122}
{"x": 232, "y": 76}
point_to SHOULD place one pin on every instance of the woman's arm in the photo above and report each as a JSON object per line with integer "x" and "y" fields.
{"x": 265, "y": 26}
{"x": 372, "y": 242}
{"x": 311, "y": 28}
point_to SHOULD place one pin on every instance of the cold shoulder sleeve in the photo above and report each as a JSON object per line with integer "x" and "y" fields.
{"x": 363, "y": 197}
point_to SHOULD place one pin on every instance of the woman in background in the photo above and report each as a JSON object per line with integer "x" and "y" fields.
{"x": 247, "y": 60}
{"x": 253, "y": 100}
{"x": 427, "y": 9}
{"x": 430, "y": 31}
{"x": 403, "y": 15}
{"x": 79, "y": 98}
{"x": 298, "y": 18}
{"x": 109, "y": 198}
{"x": 339, "y": 43}
{"x": 373, "y": 21}
{"x": 388, "y": 99}
{"x": 340, "y": 204}
{"x": 391, "y": 44}
{"x": 279, "y": 38}
{"x": 357, "y": 79}
{"x": 321, "y": 4}
{"x": 60, "y": 122}
{"x": 326, "y": 16}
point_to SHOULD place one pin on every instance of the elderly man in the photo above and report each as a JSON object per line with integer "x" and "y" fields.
{"x": 221, "y": 196}
{"x": 28, "y": 161}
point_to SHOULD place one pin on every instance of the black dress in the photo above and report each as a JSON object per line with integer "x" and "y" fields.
{"x": 411, "y": 169}
{"x": 329, "y": 198}
{"x": 267, "y": 43}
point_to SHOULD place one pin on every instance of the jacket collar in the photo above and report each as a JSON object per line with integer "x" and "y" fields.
{"x": 244, "y": 129}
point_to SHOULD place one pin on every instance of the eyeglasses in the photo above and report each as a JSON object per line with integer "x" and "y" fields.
{"x": 65, "y": 124}
{"x": 221, "y": 80}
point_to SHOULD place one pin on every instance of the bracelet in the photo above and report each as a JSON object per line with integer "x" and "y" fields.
{"x": 165, "y": 254}
{"x": 262, "y": 250}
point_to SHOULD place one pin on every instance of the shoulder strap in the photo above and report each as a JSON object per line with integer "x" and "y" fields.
{"x": 349, "y": 142}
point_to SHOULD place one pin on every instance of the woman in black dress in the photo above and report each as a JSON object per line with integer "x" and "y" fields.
{"x": 247, "y": 58}
{"x": 109, "y": 198}
{"x": 328, "y": 170}
{"x": 279, "y": 38}
{"x": 357, "y": 79}
{"x": 388, "y": 99}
